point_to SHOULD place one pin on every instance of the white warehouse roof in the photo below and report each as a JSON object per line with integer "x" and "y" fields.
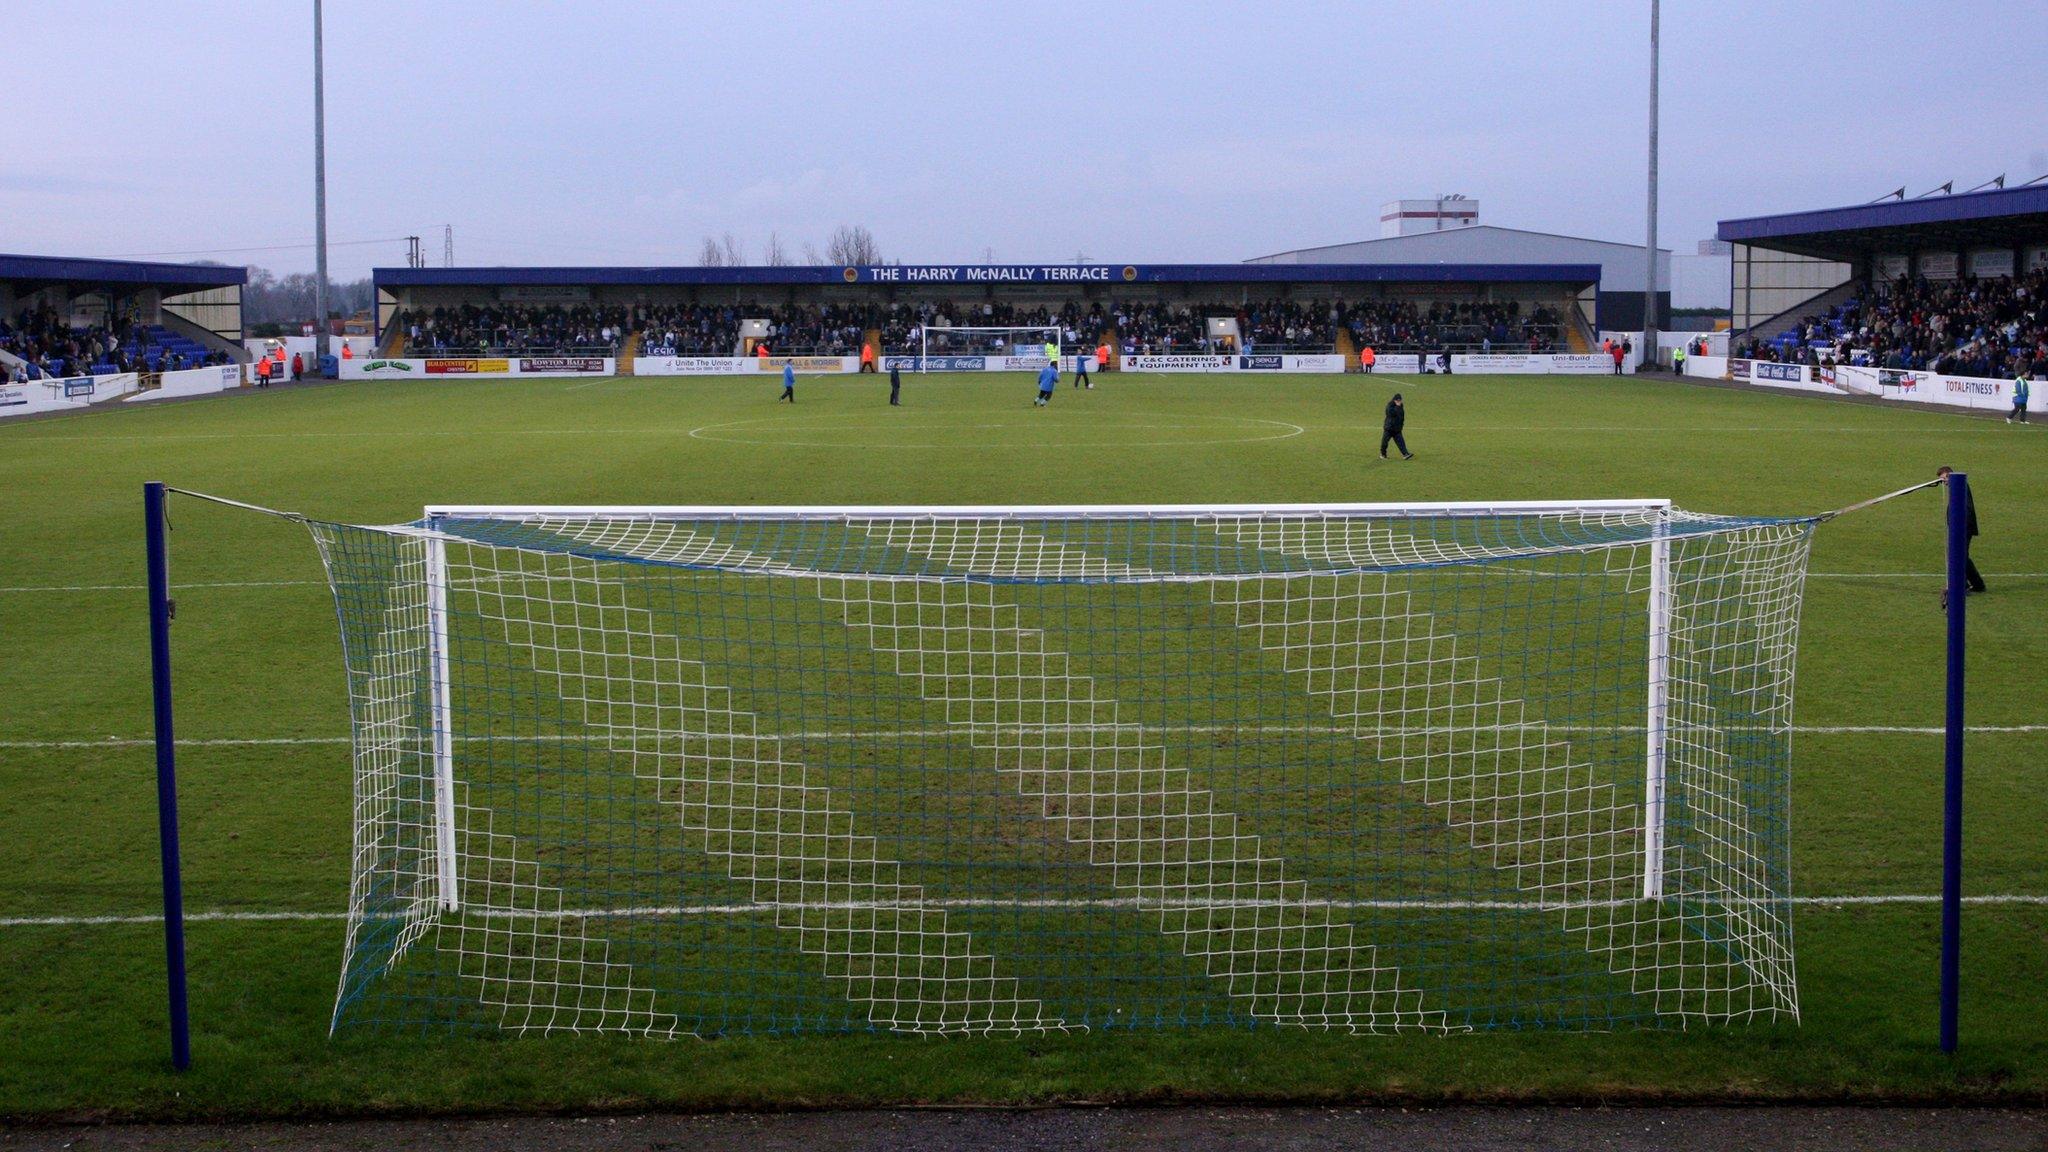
{"x": 1621, "y": 265}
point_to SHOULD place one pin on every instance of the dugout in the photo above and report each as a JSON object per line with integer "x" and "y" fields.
{"x": 871, "y": 291}
{"x": 192, "y": 309}
{"x": 1791, "y": 265}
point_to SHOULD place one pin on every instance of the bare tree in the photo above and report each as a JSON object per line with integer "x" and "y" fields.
{"x": 777, "y": 255}
{"x": 735, "y": 254}
{"x": 289, "y": 299}
{"x": 852, "y": 245}
{"x": 811, "y": 254}
{"x": 711, "y": 255}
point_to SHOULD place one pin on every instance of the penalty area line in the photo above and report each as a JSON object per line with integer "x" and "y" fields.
{"x": 968, "y": 730}
{"x": 1126, "y": 903}
{"x": 4, "y": 589}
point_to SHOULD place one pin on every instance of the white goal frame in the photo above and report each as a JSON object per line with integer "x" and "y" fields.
{"x": 924, "y": 336}
{"x": 1657, "y": 622}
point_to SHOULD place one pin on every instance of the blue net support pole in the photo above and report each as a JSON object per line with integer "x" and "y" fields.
{"x": 1952, "y": 785}
{"x": 153, "y": 495}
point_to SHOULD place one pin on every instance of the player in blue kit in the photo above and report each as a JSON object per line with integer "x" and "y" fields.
{"x": 788, "y": 384}
{"x": 1048, "y": 379}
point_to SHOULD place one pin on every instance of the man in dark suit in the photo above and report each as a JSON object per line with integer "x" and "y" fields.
{"x": 1397, "y": 419}
{"x": 1970, "y": 573}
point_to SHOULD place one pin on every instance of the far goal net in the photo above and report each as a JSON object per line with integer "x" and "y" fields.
{"x": 710, "y": 771}
{"x": 943, "y": 348}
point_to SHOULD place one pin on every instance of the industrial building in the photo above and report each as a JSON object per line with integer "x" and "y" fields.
{"x": 1447, "y": 230}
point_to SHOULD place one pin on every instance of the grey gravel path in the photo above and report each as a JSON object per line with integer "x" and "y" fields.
{"x": 1167, "y": 1129}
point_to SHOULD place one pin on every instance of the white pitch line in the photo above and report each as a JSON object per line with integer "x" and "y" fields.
{"x": 174, "y": 587}
{"x": 1559, "y": 575}
{"x": 1111, "y": 904}
{"x": 1917, "y": 575}
{"x": 952, "y": 733}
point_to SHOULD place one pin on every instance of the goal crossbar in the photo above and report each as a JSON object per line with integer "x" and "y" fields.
{"x": 1036, "y": 511}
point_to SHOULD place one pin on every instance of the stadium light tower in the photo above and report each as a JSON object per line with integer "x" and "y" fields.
{"x": 1650, "y": 244}
{"x": 319, "y": 198}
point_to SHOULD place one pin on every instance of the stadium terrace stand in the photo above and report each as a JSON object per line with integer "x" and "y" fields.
{"x": 49, "y": 347}
{"x": 1954, "y": 284}
{"x": 1078, "y": 322}
{"x": 833, "y": 311}
{"x": 501, "y": 329}
{"x": 1993, "y": 327}
{"x": 689, "y": 329}
{"x": 62, "y": 316}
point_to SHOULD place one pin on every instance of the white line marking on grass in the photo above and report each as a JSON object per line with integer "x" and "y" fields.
{"x": 1249, "y": 423}
{"x": 485, "y": 433}
{"x": 950, "y": 733}
{"x": 1111, "y": 904}
{"x": 1918, "y": 575}
{"x": 714, "y": 575}
{"x": 1437, "y": 427}
{"x": 174, "y": 587}
{"x": 140, "y": 742}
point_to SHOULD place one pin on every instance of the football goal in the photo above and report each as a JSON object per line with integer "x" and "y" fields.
{"x": 1374, "y": 768}
{"x": 943, "y": 347}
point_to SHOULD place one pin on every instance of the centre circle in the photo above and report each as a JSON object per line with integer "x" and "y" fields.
{"x": 978, "y": 430}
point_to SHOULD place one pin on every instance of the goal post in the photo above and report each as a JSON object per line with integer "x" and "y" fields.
{"x": 441, "y": 732}
{"x": 708, "y": 770}
{"x": 1657, "y": 702}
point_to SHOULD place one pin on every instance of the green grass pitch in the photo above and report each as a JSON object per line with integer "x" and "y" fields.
{"x": 265, "y": 770}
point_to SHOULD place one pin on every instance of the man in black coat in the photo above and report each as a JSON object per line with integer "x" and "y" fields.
{"x": 895, "y": 384}
{"x": 1970, "y": 573}
{"x": 1397, "y": 418}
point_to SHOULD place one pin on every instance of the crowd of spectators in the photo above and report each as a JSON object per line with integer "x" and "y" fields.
{"x": 902, "y": 323}
{"x": 50, "y": 347}
{"x": 49, "y": 344}
{"x": 514, "y": 328}
{"x": 1987, "y": 327}
{"x": 1478, "y": 326}
{"x": 1290, "y": 325}
{"x": 1149, "y": 327}
{"x": 1164, "y": 328}
{"x": 1262, "y": 325}
{"x": 690, "y": 329}
{"x": 814, "y": 330}
{"x": 1312, "y": 326}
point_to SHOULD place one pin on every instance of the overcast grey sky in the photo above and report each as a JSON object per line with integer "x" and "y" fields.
{"x": 611, "y": 131}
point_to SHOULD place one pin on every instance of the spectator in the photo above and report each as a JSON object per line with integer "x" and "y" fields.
{"x": 1276, "y": 324}
{"x": 1965, "y": 327}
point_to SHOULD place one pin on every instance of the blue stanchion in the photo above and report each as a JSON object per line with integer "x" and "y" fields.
{"x": 1952, "y": 786}
{"x": 153, "y": 495}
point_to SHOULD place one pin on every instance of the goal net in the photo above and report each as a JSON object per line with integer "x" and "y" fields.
{"x": 699, "y": 772}
{"x": 941, "y": 347}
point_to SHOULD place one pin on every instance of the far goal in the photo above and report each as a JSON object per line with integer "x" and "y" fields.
{"x": 1371, "y": 768}
{"x": 943, "y": 348}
